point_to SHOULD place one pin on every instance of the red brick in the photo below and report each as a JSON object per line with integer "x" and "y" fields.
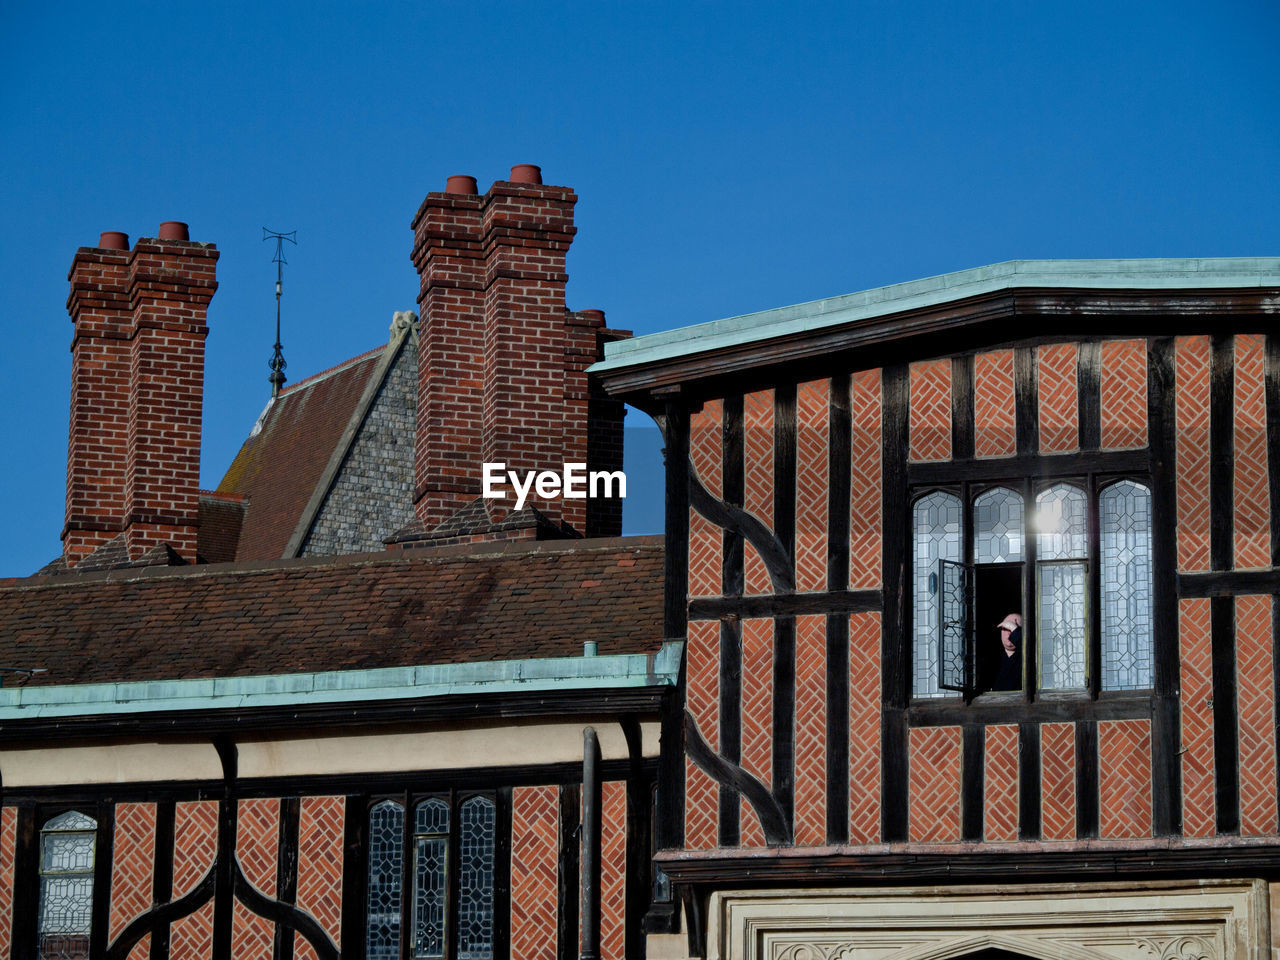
{"x": 1057, "y": 781}
{"x": 934, "y": 783}
{"x": 757, "y": 430}
{"x": 257, "y": 843}
{"x": 1059, "y": 400}
{"x": 702, "y": 699}
{"x": 994, "y": 431}
{"x": 757, "y": 718}
{"x": 535, "y": 844}
{"x": 133, "y": 855}
{"x": 1252, "y": 495}
{"x": 1124, "y": 779}
{"x": 1123, "y": 387}
{"x": 321, "y": 828}
{"x": 195, "y": 843}
{"x": 8, "y": 848}
{"x": 813, "y": 411}
{"x": 864, "y": 728}
{"x": 705, "y": 538}
{"x": 864, "y": 487}
{"x": 930, "y": 418}
{"x": 613, "y": 870}
{"x": 1000, "y": 803}
{"x": 1192, "y": 441}
{"x": 1195, "y": 663}
{"x": 1256, "y": 715}
{"x": 811, "y": 731}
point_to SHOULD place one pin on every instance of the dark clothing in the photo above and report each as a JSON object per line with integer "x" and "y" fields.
{"x": 1009, "y": 674}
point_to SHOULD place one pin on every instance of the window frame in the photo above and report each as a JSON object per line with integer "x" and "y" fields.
{"x": 967, "y": 490}
{"x": 454, "y": 798}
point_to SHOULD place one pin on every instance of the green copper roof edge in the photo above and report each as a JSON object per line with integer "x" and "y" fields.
{"x": 1150, "y": 274}
{"x": 345, "y": 686}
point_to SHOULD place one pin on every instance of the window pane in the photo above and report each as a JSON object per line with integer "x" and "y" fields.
{"x": 1061, "y": 523}
{"x": 1125, "y": 522}
{"x": 432, "y": 816}
{"x": 428, "y": 895}
{"x": 67, "y": 845}
{"x": 997, "y": 526}
{"x": 386, "y": 864}
{"x": 430, "y": 876}
{"x": 475, "y": 886}
{"x": 936, "y": 536}
{"x": 1062, "y": 626}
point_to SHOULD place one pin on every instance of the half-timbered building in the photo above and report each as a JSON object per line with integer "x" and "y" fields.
{"x": 861, "y": 490}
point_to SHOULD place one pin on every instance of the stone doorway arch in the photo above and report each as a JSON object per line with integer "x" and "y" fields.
{"x": 1180, "y": 920}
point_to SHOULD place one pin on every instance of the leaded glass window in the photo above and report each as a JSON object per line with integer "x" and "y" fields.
{"x": 386, "y": 872}
{"x": 430, "y": 863}
{"x": 475, "y": 907}
{"x": 1125, "y": 521}
{"x": 997, "y": 526}
{"x": 447, "y": 909}
{"x": 936, "y": 522}
{"x": 1087, "y": 602}
{"x": 1062, "y": 542}
{"x": 67, "y": 846}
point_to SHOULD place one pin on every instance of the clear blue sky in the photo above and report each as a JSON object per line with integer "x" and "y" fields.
{"x": 729, "y": 158}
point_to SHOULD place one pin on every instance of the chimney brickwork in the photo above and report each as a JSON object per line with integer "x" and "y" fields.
{"x": 98, "y": 437}
{"x": 137, "y": 385}
{"x": 448, "y": 254}
{"x": 170, "y": 285}
{"x": 502, "y": 363}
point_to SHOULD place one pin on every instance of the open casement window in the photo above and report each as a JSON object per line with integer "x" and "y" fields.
{"x": 1072, "y": 557}
{"x": 955, "y": 627}
{"x": 448, "y": 873}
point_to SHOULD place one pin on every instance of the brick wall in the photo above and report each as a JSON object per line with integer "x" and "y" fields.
{"x": 321, "y": 822}
{"x": 934, "y": 783}
{"x": 813, "y": 410}
{"x": 133, "y": 856}
{"x": 706, "y": 540}
{"x": 8, "y": 841}
{"x": 1000, "y": 802}
{"x": 702, "y": 698}
{"x": 930, "y": 415}
{"x": 535, "y": 847}
{"x": 758, "y": 480}
{"x": 993, "y": 404}
{"x": 257, "y": 846}
{"x": 195, "y": 831}
{"x": 811, "y": 731}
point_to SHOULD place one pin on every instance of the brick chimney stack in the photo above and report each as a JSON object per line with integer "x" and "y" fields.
{"x": 502, "y": 362}
{"x": 447, "y": 251}
{"x": 97, "y": 441}
{"x": 137, "y": 389}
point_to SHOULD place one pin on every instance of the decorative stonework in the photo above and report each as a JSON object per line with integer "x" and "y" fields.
{"x": 1209, "y": 920}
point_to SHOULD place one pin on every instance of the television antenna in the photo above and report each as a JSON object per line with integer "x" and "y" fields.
{"x": 276, "y": 363}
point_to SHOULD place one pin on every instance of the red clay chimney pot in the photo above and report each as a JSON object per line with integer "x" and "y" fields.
{"x": 113, "y": 240}
{"x": 174, "y": 230}
{"x": 526, "y": 173}
{"x": 593, "y": 314}
{"x": 461, "y": 183}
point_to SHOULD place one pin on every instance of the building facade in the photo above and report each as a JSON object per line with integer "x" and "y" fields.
{"x": 860, "y": 491}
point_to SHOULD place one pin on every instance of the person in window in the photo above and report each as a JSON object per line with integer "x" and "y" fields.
{"x": 1009, "y": 673}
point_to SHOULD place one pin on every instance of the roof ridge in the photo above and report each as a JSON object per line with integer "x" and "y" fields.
{"x": 306, "y": 381}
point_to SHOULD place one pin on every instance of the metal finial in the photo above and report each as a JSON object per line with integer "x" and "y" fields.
{"x": 277, "y": 364}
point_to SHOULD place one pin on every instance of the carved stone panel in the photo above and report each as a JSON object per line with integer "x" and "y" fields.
{"x": 1209, "y": 920}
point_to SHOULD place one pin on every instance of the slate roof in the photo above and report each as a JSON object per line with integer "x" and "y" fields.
{"x": 285, "y": 457}
{"x": 491, "y": 601}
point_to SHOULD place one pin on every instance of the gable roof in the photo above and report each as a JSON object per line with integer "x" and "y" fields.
{"x": 447, "y": 605}
{"x": 287, "y": 456}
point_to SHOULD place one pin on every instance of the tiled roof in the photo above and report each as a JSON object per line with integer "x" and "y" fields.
{"x": 283, "y": 460}
{"x": 448, "y": 605}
